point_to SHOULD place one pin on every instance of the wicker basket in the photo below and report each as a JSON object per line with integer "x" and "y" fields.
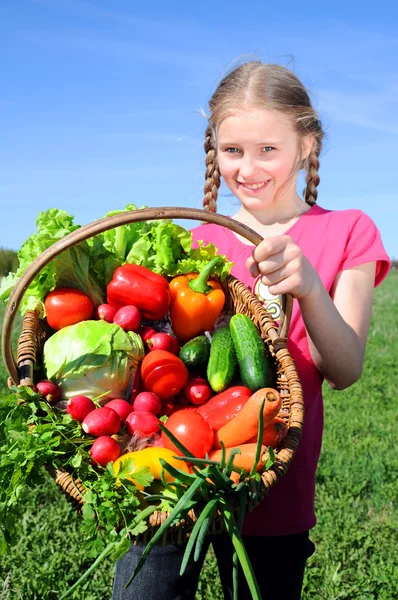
{"x": 238, "y": 300}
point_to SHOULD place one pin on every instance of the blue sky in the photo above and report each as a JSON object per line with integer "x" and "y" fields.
{"x": 101, "y": 101}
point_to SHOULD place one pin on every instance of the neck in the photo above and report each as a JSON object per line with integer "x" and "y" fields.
{"x": 280, "y": 213}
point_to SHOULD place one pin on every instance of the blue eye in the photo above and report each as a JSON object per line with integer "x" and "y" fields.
{"x": 232, "y": 150}
{"x": 268, "y": 148}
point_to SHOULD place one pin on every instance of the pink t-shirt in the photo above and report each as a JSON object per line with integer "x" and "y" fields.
{"x": 332, "y": 241}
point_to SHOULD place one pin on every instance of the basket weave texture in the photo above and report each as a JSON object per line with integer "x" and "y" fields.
{"x": 238, "y": 300}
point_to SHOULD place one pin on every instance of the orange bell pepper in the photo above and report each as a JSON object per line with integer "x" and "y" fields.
{"x": 196, "y": 302}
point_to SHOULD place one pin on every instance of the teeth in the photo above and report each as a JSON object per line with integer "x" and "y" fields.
{"x": 256, "y": 186}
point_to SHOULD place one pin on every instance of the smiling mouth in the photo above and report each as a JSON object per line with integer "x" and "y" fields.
{"x": 253, "y": 186}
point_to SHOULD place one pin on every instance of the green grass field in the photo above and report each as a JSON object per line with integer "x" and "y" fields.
{"x": 357, "y": 498}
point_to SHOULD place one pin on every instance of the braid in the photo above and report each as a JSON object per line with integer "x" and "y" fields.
{"x": 212, "y": 182}
{"x": 312, "y": 179}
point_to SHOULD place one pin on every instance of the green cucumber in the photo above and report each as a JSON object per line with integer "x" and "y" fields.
{"x": 222, "y": 361}
{"x": 195, "y": 353}
{"x": 254, "y": 367}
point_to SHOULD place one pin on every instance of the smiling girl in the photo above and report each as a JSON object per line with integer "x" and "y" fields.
{"x": 262, "y": 130}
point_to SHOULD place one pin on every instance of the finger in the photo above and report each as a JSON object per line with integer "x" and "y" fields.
{"x": 272, "y": 264}
{"x": 252, "y": 266}
{"x": 275, "y": 277}
{"x": 270, "y": 246}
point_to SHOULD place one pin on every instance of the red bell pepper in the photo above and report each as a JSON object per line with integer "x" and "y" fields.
{"x": 138, "y": 286}
{"x": 224, "y": 406}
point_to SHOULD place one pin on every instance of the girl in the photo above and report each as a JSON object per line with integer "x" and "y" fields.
{"x": 262, "y": 130}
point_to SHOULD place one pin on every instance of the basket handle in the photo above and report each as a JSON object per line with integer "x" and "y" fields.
{"x": 104, "y": 224}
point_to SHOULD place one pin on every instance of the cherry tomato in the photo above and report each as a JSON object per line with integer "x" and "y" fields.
{"x": 163, "y": 373}
{"x": 191, "y": 430}
{"x": 67, "y": 306}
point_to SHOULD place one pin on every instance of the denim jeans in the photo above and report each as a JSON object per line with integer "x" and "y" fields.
{"x": 278, "y": 563}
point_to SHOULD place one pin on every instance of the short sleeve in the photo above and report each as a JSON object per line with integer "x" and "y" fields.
{"x": 364, "y": 245}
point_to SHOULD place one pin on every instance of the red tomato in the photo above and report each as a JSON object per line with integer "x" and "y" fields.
{"x": 67, "y": 306}
{"x": 191, "y": 430}
{"x": 163, "y": 373}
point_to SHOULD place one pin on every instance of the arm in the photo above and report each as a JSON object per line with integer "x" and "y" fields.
{"x": 337, "y": 329}
{"x": 337, "y": 326}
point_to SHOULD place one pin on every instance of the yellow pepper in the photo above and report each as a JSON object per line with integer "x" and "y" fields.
{"x": 196, "y": 302}
{"x": 149, "y": 457}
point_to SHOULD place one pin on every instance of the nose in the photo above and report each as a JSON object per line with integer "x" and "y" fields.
{"x": 247, "y": 166}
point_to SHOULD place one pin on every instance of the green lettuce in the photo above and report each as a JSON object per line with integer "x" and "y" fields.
{"x": 161, "y": 246}
{"x": 93, "y": 358}
{"x": 72, "y": 268}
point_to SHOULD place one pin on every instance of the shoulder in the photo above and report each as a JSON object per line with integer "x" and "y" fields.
{"x": 341, "y": 224}
{"x": 355, "y": 235}
{"x": 347, "y": 218}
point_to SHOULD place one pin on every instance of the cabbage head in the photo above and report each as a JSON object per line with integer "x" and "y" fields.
{"x": 92, "y": 358}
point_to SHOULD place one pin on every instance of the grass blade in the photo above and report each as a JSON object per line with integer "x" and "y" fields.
{"x": 271, "y": 458}
{"x": 181, "y": 476}
{"x": 230, "y": 462}
{"x": 223, "y": 454}
{"x": 198, "y": 461}
{"x": 259, "y": 439}
{"x": 195, "y": 531}
{"x": 240, "y": 550}
{"x": 104, "y": 554}
{"x": 235, "y": 565}
{"x": 205, "y": 527}
{"x": 221, "y": 480}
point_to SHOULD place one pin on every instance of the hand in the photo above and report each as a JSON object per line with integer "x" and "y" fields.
{"x": 283, "y": 267}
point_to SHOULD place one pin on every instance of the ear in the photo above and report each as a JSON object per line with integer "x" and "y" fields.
{"x": 306, "y": 146}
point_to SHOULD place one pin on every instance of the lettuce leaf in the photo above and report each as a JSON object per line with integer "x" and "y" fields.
{"x": 161, "y": 246}
{"x": 72, "y": 268}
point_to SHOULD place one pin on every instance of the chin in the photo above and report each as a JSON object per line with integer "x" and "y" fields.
{"x": 251, "y": 204}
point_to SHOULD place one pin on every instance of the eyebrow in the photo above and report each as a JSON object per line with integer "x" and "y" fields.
{"x": 268, "y": 143}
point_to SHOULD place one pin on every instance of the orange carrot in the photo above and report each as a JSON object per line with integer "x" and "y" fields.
{"x": 235, "y": 476}
{"x": 273, "y": 433}
{"x": 245, "y": 459}
{"x": 244, "y": 425}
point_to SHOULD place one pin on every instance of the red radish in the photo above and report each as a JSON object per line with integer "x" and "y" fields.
{"x": 49, "y": 390}
{"x": 106, "y": 312}
{"x": 79, "y": 406}
{"x": 128, "y": 317}
{"x": 144, "y": 422}
{"x": 122, "y": 407}
{"x": 147, "y": 402}
{"x": 146, "y": 332}
{"x": 163, "y": 341}
{"x": 197, "y": 390}
{"x": 105, "y": 449}
{"x": 102, "y": 421}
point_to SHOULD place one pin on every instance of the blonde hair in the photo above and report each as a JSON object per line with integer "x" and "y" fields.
{"x": 259, "y": 85}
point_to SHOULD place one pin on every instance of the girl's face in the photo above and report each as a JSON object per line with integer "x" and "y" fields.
{"x": 257, "y": 152}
